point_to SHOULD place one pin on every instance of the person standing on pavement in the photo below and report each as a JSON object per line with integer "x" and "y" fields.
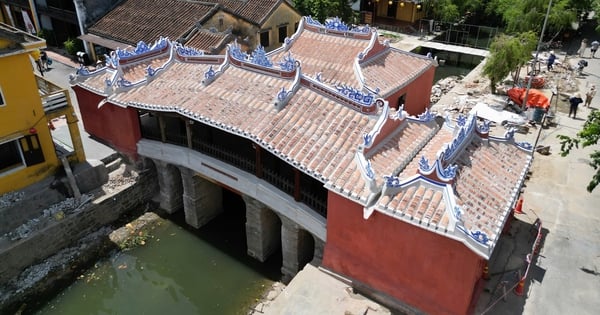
{"x": 574, "y": 100}
{"x": 582, "y": 48}
{"x": 590, "y": 95}
{"x": 594, "y": 47}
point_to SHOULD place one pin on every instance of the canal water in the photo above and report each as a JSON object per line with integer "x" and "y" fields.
{"x": 179, "y": 270}
{"x": 454, "y": 64}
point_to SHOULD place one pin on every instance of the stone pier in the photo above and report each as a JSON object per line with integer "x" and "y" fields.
{"x": 202, "y": 199}
{"x": 297, "y": 248}
{"x": 171, "y": 188}
{"x": 263, "y": 233}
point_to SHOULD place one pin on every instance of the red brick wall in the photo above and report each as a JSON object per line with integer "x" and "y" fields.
{"x": 418, "y": 267}
{"x": 114, "y": 125}
{"x": 418, "y": 94}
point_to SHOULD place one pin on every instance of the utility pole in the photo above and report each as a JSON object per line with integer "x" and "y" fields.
{"x": 535, "y": 59}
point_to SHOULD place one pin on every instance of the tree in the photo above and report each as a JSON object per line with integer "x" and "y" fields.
{"x": 507, "y": 54}
{"x": 528, "y": 15}
{"x": 443, "y": 10}
{"x": 323, "y": 9}
{"x": 589, "y": 135}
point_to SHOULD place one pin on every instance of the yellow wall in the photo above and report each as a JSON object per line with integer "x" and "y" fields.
{"x": 283, "y": 15}
{"x": 22, "y": 111}
{"x": 240, "y": 27}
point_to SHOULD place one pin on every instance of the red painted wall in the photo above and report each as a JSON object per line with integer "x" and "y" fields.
{"x": 418, "y": 94}
{"x": 420, "y": 268}
{"x": 115, "y": 125}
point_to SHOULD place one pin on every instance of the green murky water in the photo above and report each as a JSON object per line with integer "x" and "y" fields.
{"x": 178, "y": 271}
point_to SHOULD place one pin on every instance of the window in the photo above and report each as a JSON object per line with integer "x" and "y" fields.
{"x": 282, "y": 33}
{"x": 264, "y": 39}
{"x": 1, "y": 98}
{"x": 25, "y": 151}
{"x": 10, "y": 156}
{"x": 401, "y": 101}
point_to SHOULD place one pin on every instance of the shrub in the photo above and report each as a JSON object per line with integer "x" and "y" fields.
{"x": 72, "y": 46}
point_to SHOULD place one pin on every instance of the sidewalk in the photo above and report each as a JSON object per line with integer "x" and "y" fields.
{"x": 61, "y": 56}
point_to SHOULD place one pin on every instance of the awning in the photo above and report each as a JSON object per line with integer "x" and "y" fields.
{"x": 97, "y": 40}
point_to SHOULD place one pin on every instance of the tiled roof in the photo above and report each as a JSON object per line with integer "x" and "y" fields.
{"x": 334, "y": 55}
{"x": 312, "y": 131}
{"x": 146, "y": 20}
{"x": 331, "y": 55}
{"x": 253, "y": 11}
{"x": 209, "y": 41}
{"x": 401, "y": 148}
{"x": 393, "y": 69}
{"x": 454, "y": 180}
{"x": 474, "y": 205}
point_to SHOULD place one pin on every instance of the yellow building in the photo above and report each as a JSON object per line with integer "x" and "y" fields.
{"x": 28, "y": 103}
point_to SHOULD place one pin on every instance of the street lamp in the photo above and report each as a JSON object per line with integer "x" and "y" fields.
{"x": 537, "y": 53}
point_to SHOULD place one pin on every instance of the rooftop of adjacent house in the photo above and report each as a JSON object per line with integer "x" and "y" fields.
{"x": 209, "y": 41}
{"x": 255, "y": 11}
{"x": 428, "y": 171}
{"x": 13, "y": 40}
{"x": 133, "y": 21}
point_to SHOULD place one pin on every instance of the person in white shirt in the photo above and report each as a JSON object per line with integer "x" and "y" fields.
{"x": 590, "y": 95}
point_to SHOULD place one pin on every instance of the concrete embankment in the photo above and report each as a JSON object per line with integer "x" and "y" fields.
{"x": 64, "y": 240}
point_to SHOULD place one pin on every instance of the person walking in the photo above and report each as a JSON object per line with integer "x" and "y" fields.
{"x": 574, "y": 100}
{"x": 582, "y": 48}
{"x": 44, "y": 58}
{"x": 551, "y": 59}
{"x": 590, "y": 95}
{"x": 594, "y": 47}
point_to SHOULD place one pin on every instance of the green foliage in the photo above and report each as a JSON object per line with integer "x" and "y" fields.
{"x": 447, "y": 10}
{"x": 72, "y": 46}
{"x": 135, "y": 240}
{"x": 589, "y": 135}
{"x": 526, "y": 15}
{"x": 323, "y": 9}
{"x": 42, "y": 34}
{"x": 508, "y": 53}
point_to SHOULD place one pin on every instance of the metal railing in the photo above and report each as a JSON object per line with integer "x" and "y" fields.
{"x": 460, "y": 34}
{"x": 313, "y": 199}
{"x": 53, "y": 96}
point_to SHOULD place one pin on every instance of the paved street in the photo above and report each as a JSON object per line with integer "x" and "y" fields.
{"x": 569, "y": 262}
{"x": 58, "y": 73}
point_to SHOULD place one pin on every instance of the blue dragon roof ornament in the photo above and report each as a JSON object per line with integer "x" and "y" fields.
{"x": 189, "y": 51}
{"x": 336, "y": 24}
{"x": 288, "y": 63}
{"x": 260, "y": 58}
{"x": 355, "y": 94}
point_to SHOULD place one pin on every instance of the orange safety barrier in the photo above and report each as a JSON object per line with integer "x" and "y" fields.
{"x": 520, "y": 288}
{"x": 519, "y": 206}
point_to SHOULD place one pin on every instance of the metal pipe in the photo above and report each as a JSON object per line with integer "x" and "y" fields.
{"x": 80, "y": 21}
{"x": 537, "y": 53}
